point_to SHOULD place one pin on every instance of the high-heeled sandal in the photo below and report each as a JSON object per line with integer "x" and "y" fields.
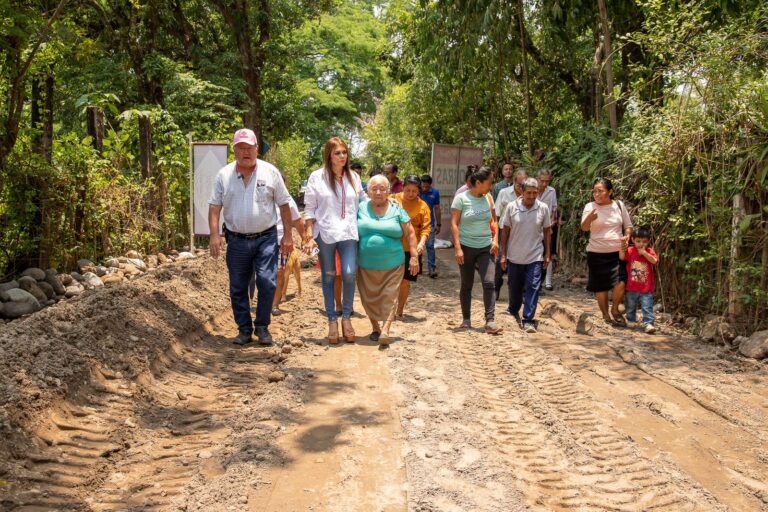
{"x": 333, "y": 332}
{"x": 347, "y": 330}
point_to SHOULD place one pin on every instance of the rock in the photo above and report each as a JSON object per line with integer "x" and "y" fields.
{"x": 35, "y": 273}
{"x": 243, "y": 500}
{"x": 664, "y": 318}
{"x": 76, "y": 276}
{"x": 72, "y": 291}
{"x": 130, "y": 423}
{"x": 114, "y": 277}
{"x": 100, "y": 270}
{"x": 205, "y": 454}
{"x": 756, "y": 346}
{"x": 91, "y": 280}
{"x": 47, "y": 289}
{"x": 185, "y": 256}
{"x": 29, "y": 284}
{"x": 162, "y": 258}
{"x": 65, "y": 279}
{"x": 138, "y": 263}
{"x": 17, "y": 309}
{"x": 286, "y": 349}
{"x": 133, "y": 255}
{"x": 52, "y": 278}
{"x": 10, "y": 285}
{"x": 182, "y": 395}
{"x": 151, "y": 261}
{"x": 129, "y": 269}
{"x": 112, "y": 263}
{"x": 84, "y": 263}
{"x": 276, "y": 377}
{"x": 4, "y": 297}
{"x": 716, "y": 328}
{"x": 23, "y": 296}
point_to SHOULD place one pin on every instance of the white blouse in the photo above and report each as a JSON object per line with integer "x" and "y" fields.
{"x": 335, "y": 214}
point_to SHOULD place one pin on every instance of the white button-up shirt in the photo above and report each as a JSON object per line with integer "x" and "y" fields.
{"x": 249, "y": 208}
{"x": 505, "y": 197}
{"x": 335, "y": 214}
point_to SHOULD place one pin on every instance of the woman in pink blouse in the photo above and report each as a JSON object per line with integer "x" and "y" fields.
{"x": 609, "y": 227}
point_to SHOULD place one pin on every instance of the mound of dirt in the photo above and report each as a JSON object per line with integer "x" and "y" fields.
{"x": 120, "y": 329}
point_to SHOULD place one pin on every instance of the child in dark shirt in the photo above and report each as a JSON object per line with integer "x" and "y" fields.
{"x": 641, "y": 277}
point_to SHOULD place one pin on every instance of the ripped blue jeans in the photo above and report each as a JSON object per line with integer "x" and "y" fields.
{"x": 348, "y": 257}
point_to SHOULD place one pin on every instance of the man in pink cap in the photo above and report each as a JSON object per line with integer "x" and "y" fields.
{"x": 246, "y": 192}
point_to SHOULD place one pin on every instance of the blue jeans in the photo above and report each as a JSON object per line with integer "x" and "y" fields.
{"x": 431, "y": 259}
{"x": 246, "y": 259}
{"x": 524, "y": 286}
{"x": 348, "y": 257}
{"x": 646, "y": 304}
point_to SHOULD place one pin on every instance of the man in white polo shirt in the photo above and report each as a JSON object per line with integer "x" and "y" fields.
{"x": 527, "y": 224}
{"x": 246, "y": 192}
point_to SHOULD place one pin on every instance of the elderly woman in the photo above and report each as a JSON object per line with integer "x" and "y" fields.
{"x": 476, "y": 243}
{"x": 421, "y": 221}
{"x": 609, "y": 227}
{"x": 330, "y": 213}
{"x": 381, "y": 224}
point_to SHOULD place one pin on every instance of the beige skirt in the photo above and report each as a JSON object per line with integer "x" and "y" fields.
{"x": 378, "y": 291}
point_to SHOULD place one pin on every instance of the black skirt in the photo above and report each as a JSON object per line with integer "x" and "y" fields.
{"x": 606, "y": 270}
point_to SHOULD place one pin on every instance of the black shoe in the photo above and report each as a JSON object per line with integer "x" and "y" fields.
{"x": 263, "y": 334}
{"x": 243, "y": 338}
{"x": 517, "y": 318}
{"x": 375, "y": 335}
{"x": 433, "y": 274}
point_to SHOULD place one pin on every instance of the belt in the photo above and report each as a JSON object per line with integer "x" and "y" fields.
{"x": 252, "y": 236}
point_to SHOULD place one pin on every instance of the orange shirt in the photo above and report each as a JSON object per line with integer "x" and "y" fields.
{"x": 421, "y": 219}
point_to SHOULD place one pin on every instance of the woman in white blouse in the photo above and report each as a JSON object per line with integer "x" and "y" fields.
{"x": 330, "y": 214}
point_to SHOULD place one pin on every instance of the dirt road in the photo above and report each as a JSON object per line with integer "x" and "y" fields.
{"x": 444, "y": 420}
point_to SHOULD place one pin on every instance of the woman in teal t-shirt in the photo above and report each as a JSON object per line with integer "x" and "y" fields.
{"x": 380, "y": 226}
{"x": 475, "y": 240}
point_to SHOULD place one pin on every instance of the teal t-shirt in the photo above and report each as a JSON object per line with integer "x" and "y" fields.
{"x": 474, "y": 220}
{"x": 379, "y": 246}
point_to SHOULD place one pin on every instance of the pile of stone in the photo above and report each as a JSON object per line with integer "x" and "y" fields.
{"x": 35, "y": 288}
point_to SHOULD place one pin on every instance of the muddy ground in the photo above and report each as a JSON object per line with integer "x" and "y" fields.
{"x": 133, "y": 398}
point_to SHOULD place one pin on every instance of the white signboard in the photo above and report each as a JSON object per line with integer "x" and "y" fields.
{"x": 207, "y": 159}
{"x": 449, "y": 163}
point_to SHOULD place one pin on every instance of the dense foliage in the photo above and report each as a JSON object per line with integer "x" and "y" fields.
{"x": 690, "y": 150}
{"x": 296, "y": 71}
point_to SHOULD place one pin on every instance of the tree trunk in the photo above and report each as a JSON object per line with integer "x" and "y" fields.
{"x": 252, "y": 52}
{"x": 738, "y": 213}
{"x": 608, "y": 64}
{"x": 95, "y": 117}
{"x": 597, "y": 89}
{"x": 523, "y": 46}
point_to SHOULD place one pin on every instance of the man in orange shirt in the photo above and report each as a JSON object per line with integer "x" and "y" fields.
{"x": 421, "y": 221}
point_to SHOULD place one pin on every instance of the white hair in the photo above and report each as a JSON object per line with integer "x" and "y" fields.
{"x": 530, "y": 183}
{"x": 379, "y": 178}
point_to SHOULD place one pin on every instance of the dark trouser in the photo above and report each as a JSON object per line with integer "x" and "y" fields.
{"x": 247, "y": 259}
{"x": 486, "y": 267}
{"x": 498, "y": 276}
{"x": 524, "y": 286}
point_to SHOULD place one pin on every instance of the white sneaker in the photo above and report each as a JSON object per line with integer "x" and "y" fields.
{"x": 650, "y": 329}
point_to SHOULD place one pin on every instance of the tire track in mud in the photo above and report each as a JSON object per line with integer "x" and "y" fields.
{"x": 545, "y": 425}
{"x": 127, "y": 446}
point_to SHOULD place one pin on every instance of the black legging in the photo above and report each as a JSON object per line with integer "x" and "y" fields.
{"x": 482, "y": 259}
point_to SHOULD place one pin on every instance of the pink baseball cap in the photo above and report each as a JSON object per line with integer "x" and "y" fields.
{"x": 245, "y": 135}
